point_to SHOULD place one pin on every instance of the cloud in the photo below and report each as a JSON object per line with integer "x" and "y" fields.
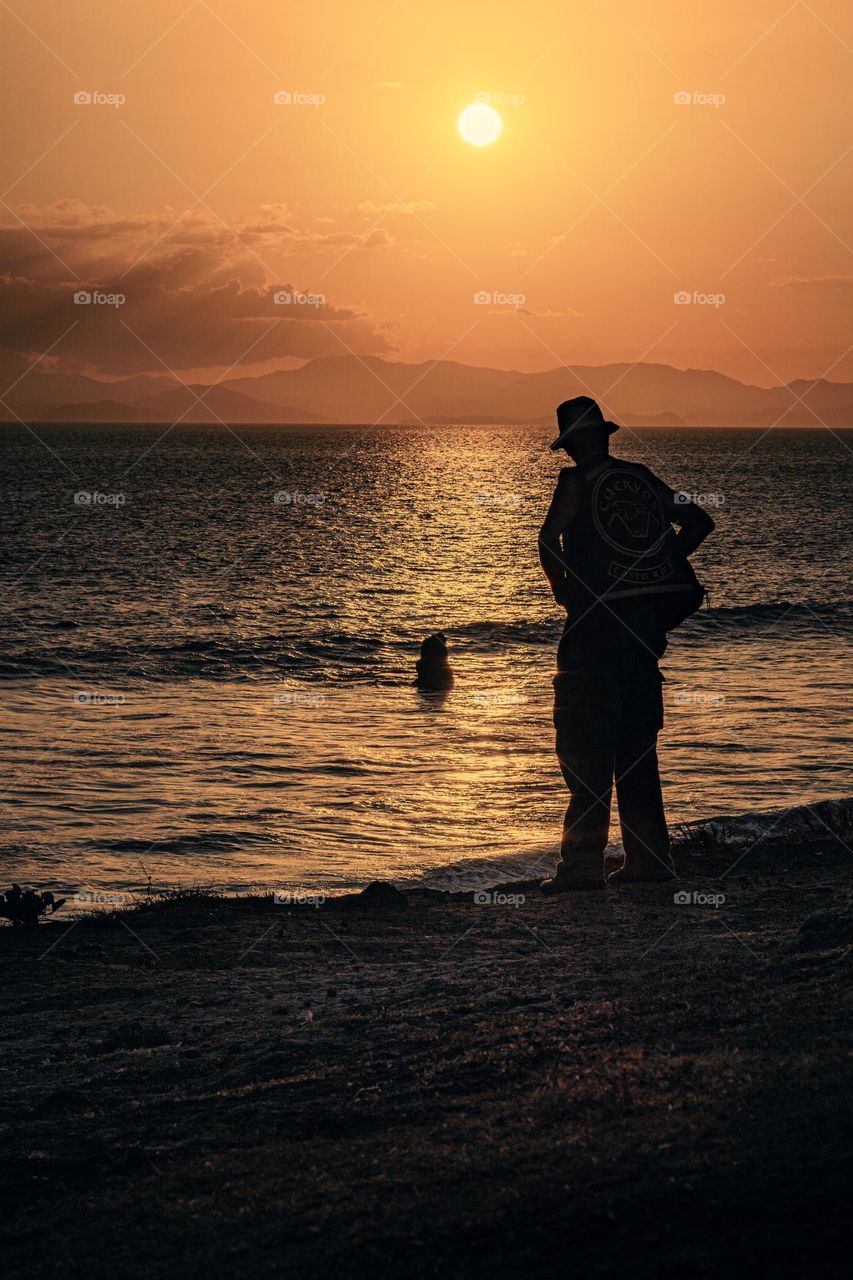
{"x": 398, "y": 206}
{"x": 182, "y": 294}
{"x": 378, "y": 238}
{"x": 522, "y": 310}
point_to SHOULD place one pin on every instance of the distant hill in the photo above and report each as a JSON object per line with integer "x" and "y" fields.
{"x": 350, "y": 389}
{"x": 219, "y": 405}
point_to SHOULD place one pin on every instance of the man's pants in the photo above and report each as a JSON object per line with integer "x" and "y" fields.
{"x": 608, "y": 708}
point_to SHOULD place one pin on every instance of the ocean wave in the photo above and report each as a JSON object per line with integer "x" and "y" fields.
{"x": 488, "y": 635}
{"x": 352, "y": 657}
{"x": 194, "y": 842}
{"x": 313, "y": 657}
{"x": 792, "y": 612}
{"x": 824, "y": 817}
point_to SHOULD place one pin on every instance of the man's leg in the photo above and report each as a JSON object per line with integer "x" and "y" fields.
{"x": 645, "y": 837}
{"x": 583, "y": 719}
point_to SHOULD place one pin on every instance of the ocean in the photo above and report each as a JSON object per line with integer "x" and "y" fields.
{"x": 210, "y": 637}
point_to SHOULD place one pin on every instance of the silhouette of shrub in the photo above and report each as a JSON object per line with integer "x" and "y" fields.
{"x": 25, "y": 907}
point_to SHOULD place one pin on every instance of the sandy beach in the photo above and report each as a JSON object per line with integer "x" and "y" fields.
{"x": 426, "y": 1084}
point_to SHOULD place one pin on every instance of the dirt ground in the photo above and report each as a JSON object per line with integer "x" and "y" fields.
{"x": 593, "y": 1085}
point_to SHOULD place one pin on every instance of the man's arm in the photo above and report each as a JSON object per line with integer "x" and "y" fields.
{"x": 561, "y": 513}
{"x": 694, "y": 523}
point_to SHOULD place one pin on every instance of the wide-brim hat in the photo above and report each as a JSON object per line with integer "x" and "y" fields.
{"x": 574, "y": 415}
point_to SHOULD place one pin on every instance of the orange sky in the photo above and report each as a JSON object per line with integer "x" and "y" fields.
{"x": 198, "y": 196}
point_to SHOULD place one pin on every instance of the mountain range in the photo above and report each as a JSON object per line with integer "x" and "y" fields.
{"x": 351, "y": 389}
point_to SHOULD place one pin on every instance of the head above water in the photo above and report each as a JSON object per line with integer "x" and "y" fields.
{"x": 433, "y": 670}
{"x": 584, "y": 431}
{"x": 434, "y": 647}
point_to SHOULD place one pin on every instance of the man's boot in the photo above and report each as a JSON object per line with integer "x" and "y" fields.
{"x": 575, "y": 876}
{"x": 648, "y": 869}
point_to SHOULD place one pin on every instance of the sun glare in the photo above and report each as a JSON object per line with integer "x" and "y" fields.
{"x": 480, "y": 124}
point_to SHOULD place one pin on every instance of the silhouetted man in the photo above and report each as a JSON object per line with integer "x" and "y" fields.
{"x": 620, "y": 570}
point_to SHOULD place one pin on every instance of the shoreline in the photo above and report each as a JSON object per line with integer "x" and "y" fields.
{"x": 828, "y": 818}
{"x": 426, "y": 1083}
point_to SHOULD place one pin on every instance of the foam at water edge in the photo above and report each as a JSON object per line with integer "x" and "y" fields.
{"x": 480, "y": 873}
{"x": 825, "y": 817}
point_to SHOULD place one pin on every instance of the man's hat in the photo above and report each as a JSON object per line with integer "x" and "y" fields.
{"x": 573, "y": 415}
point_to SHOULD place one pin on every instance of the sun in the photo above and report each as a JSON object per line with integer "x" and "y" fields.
{"x": 480, "y": 124}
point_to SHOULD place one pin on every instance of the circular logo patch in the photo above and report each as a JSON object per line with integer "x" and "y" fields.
{"x": 628, "y": 511}
{"x": 629, "y": 516}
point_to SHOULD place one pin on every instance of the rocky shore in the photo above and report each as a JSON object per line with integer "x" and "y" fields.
{"x": 426, "y": 1084}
